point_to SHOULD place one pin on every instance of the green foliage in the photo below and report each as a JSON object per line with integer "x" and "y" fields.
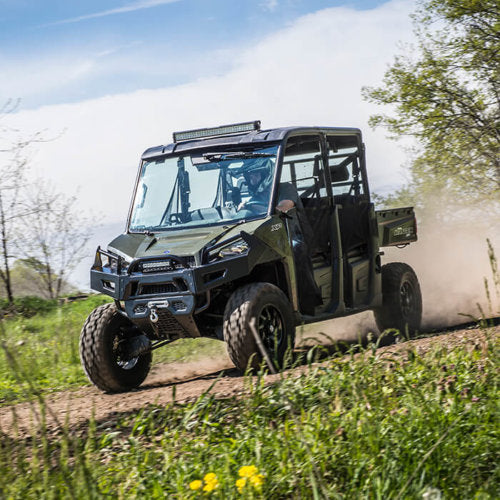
{"x": 27, "y": 306}
{"x": 44, "y": 345}
{"x": 414, "y": 425}
{"x": 446, "y": 94}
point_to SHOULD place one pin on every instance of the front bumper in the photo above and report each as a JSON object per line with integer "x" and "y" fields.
{"x": 176, "y": 290}
{"x": 180, "y": 292}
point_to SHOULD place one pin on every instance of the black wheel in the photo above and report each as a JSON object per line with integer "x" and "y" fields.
{"x": 402, "y": 300}
{"x": 274, "y": 322}
{"x": 101, "y": 343}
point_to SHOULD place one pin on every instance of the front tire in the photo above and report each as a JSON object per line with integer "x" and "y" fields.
{"x": 102, "y": 332}
{"x": 269, "y": 306}
{"x": 402, "y": 300}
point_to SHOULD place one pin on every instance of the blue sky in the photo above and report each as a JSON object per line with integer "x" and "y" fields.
{"x": 55, "y": 51}
{"x": 106, "y": 80}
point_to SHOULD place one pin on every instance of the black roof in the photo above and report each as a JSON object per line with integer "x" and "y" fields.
{"x": 253, "y": 137}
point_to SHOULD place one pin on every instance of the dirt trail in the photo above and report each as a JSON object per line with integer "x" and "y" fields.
{"x": 190, "y": 381}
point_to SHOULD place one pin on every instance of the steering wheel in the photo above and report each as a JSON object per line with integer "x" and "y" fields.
{"x": 254, "y": 206}
{"x": 174, "y": 218}
{"x": 254, "y": 203}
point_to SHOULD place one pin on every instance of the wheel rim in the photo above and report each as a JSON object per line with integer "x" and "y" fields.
{"x": 124, "y": 364}
{"x": 271, "y": 329}
{"x": 407, "y": 295}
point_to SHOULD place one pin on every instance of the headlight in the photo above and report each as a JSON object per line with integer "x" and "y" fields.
{"x": 238, "y": 247}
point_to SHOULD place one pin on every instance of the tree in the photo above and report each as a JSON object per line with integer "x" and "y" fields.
{"x": 446, "y": 94}
{"x": 37, "y": 223}
{"x": 13, "y": 180}
{"x": 53, "y": 238}
{"x": 27, "y": 281}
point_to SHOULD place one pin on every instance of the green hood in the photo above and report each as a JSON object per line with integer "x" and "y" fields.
{"x": 182, "y": 243}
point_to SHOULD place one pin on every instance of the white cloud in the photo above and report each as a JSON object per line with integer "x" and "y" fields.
{"x": 270, "y": 5}
{"x": 139, "y": 5}
{"x": 308, "y": 74}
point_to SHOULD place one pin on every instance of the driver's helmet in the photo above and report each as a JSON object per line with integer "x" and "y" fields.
{"x": 264, "y": 166}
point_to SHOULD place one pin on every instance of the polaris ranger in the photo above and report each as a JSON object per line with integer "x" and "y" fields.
{"x": 235, "y": 226}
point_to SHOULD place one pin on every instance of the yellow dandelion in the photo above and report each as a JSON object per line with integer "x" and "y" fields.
{"x": 210, "y": 487}
{"x": 211, "y": 482}
{"x": 256, "y": 480}
{"x": 210, "y": 477}
{"x": 248, "y": 471}
{"x": 195, "y": 485}
{"x": 240, "y": 483}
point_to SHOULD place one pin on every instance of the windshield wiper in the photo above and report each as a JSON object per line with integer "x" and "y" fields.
{"x": 144, "y": 230}
{"x": 234, "y": 156}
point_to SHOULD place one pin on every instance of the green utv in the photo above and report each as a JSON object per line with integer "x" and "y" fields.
{"x": 242, "y": 234}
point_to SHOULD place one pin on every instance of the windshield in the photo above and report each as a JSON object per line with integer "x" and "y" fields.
{"x": 203, "y": 188}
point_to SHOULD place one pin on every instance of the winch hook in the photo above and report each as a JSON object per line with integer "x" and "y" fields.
{"x": 153, "y": 315}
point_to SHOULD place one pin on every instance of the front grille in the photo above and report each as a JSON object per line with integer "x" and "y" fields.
{"x": 168, "y": 327}
{"x": 155, "y": 289}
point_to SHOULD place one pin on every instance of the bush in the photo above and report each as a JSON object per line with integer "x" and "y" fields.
{"x": 27, "y": 307}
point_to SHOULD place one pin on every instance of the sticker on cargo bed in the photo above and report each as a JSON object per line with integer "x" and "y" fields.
{"x": 403, "y": 231}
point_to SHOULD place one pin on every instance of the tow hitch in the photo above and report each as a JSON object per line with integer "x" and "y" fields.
{"x": 153, "y": 306}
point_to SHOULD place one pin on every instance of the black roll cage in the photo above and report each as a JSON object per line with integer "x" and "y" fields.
{"x": 263, "y": 138}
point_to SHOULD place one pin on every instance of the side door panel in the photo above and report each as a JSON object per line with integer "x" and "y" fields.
{"x": 303, "y": 167}
{"x": 350, "y": 196}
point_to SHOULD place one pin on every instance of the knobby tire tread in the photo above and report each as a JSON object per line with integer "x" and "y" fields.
{"x": 390, "y": 314}
{"x": 96, "y": 364}
{"x": 240, "y": 343}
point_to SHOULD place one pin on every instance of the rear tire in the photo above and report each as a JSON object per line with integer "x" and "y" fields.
{"x": 274, "y": 321}
{"x": 99, "y": 351}
{"x": 402, "y": 300}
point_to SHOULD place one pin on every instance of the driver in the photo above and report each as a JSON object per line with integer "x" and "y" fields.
{"x": 258, "y": 177}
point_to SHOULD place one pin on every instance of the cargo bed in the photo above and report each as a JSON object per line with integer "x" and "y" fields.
{"x": 396, "y": 226}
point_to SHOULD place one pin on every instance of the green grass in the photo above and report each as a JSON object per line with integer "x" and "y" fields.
{"x": 353, "y": 428}
{"x": 45, "y": 348}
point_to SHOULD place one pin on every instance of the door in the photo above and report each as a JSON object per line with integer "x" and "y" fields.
{"x": 303, "y": 182}
{"x": 350, "y": 194}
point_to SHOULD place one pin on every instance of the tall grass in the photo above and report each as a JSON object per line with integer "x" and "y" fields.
{"x": 400, "y": 426}
{"x": 45, "y": 347}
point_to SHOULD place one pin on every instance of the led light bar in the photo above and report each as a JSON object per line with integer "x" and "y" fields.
{"x": 155, "y": 266}
{"x": 215, "y": 131}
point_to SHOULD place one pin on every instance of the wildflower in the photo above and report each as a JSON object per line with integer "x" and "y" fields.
{"x": 195, "y": 485}
{"x": 248, "y": 471}
{"x": 211, "y": 482}
{"x": 240, "y": 483}
{"x": 256, "y": 480}
{"x": 249, "y": 474}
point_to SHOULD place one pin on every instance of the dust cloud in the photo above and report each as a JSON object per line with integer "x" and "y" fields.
{"x": 452, "y": 262}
